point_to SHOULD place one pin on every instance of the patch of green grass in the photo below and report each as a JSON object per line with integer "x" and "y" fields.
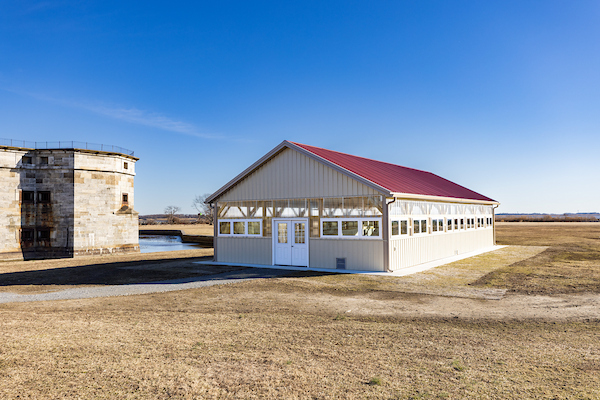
{"x": 457, "y": 365}
{"x": 375, "y": 381}
{"x": 339, "y": 317}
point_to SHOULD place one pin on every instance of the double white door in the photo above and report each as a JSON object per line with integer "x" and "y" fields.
{"x": 290, "y": 239}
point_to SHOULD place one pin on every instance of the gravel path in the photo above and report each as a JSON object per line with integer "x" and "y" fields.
{"x": 144, "y": 288}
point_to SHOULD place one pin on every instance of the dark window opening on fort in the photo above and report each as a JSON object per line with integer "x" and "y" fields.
{"x": 28, "y": 196}
{"x": 26, "y": 160}
{"x": 125, "y": 198}
{"x": 44, "y": 197}
{"x": 43, "y": 234}
{"x": 27, "y": 235}
{"x": 43, "y": 160}
{"x": 125, "y": 165}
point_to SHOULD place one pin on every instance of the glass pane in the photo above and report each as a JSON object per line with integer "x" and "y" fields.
{"x": 373, "y": 206}
{"x": 314, "y": 227}
{"x": 332, "y": 207}
{"x": 403, "y": 227}
{"x": 239, "y": 228}
{"x": 449, "y": 224}
{"x": 267, "y": 227}
{"x": 440, "y": 225}
{"x": 282, "y": 234}
{"x": 298, "y": 207}
{"x": 370, "y": 228}
{"x": 395, "y": 229}
{"x": 350, "y": 228}
{"x": 435, "y": 225}
{"x": 225, "y": 228}
{"x": 423, "y": 226}
{"x": 462, "y": 223}
{"x": 417, "y": 226}
{"x": 330, "y": 228}
{"x": 299, "y": 232}
{"x": 253, "y": 228}
{"x": 315, "y": 208}
{"x": 353, "y": 206}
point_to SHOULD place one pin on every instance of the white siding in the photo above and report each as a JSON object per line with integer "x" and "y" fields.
{"x": 291, "y": 174}
{"x": 244, "y": 250}
{"x": 361, "y": 255}
{"x": 413, "y": 250}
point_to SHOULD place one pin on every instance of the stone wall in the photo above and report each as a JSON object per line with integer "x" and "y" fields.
{"x": 66, "y": 202}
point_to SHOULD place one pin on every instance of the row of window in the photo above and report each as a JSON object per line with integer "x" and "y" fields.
{"x": 240, "y": 227}
{"x": 346, "y": 228}
{"x": 402, "y": 227}
{"x": 357, "y": 227}
{"x": 29, "y": 196}
{"x": 29, "y": 234}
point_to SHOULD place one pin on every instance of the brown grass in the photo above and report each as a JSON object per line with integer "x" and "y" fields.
{"x": 571, "y": 264}
{"x": 291, "y": 338}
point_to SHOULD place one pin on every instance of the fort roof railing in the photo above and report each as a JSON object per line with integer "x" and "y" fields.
{"x": 65, "y": 145}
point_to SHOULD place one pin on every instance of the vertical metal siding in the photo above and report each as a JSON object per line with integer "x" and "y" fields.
{"x": 291, "y": 174}
{"x": 244, "y": 250}
{"x": 413, "y": 250}
{"x": 360, "y": 255}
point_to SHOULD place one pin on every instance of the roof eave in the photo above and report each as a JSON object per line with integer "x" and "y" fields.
{"x": 409, "y": 196}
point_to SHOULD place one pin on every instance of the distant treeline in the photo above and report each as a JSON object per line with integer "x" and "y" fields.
{"x": 547, "y": 218}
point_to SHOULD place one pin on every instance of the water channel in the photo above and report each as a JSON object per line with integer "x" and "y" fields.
{"x": 156, "y": 243}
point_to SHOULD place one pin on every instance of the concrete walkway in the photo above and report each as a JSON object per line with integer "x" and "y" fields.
{"x": 400, "y": 272}
{"x": 144, "y": 288}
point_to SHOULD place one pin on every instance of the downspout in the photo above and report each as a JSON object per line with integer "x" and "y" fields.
{"x": 386, "y": 235}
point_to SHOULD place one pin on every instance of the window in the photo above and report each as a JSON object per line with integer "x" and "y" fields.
{"x": 26, "y": 160}
{"x": 440, "y": 225}
{"x": 300, "y": 232}
{"x": 351, "y": 228}
{"x": 27, "y": 196}
{"x": 224, "y": 228}
{"x": 43, "y": 234}
{"x": 395, "y": 228}
{"x": 254, "y": 228}
{"x": 434, "y": 225}
{"x": 449, "y": 224}
{"x": 404, "y": 227}
{"x": 420, "y": 226}
{"x": 370, "y": 228}
{"x": 43, "y": 197}
{"x": 44, "y": 160}
{"x": 241, "y": 227}
{"x": 125, "y": 198}
{"x": 27, "y": 235}
{"x": 282, "y": 233}
{"x": 330, "y": 228}
{"x": 462, "y": 223}
{"x": 417, "y": 226}
{"x": 125, "y": 165}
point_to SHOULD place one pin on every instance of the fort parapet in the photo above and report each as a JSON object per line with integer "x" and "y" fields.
{"x": 65, "y": 202}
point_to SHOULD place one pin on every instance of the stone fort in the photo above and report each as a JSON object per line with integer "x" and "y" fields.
{"x": 66, "y": 199}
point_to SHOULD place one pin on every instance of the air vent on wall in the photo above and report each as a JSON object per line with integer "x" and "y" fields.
{"x": 340, "y": 263}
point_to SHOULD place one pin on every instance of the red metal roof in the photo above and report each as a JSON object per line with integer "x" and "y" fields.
{"x": 396, "y": 178}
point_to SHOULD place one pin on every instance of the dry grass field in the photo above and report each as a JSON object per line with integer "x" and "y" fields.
{"x": 471, "y": 329}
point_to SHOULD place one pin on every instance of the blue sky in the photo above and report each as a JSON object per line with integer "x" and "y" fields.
{"x": 500, "y": 96}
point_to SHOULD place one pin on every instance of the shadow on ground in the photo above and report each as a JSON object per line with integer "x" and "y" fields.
{"x": 145, "y": 271}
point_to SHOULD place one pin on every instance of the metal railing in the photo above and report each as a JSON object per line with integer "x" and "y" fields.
{"x": 65, "y": 145}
